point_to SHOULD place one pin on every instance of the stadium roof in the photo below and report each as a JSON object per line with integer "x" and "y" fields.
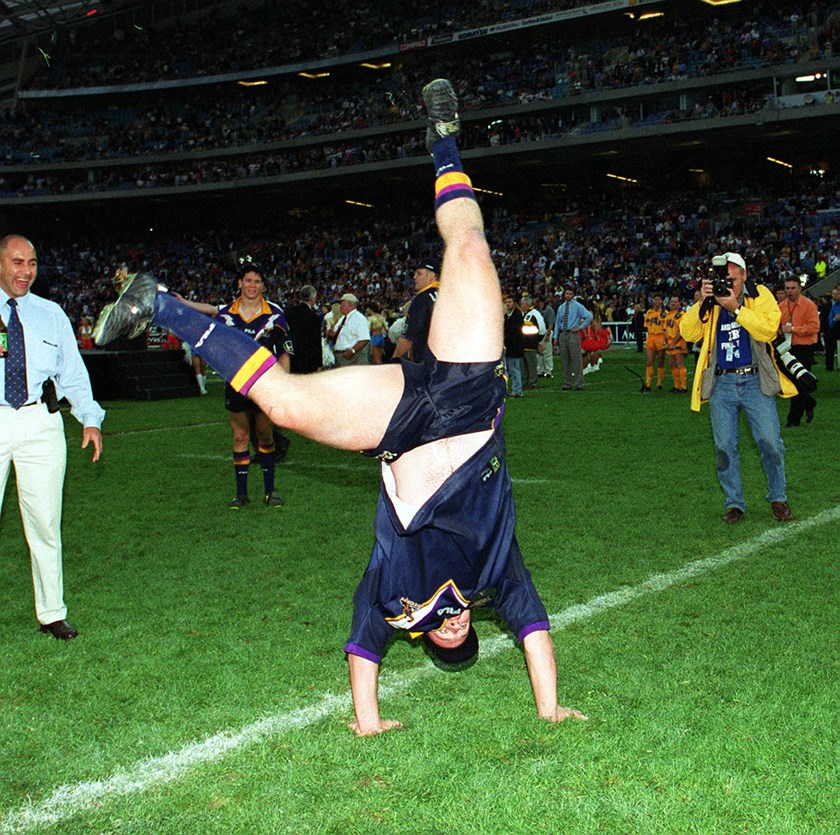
{"x": 23, "y": 18}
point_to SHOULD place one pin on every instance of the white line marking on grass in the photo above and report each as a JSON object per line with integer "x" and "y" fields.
{"x": 70, "y": 800}
{"x": 660, "y": 582}
{"x": 155, "y": 429}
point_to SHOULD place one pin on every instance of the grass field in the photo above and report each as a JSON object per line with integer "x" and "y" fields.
{"x": 207, "y": 691}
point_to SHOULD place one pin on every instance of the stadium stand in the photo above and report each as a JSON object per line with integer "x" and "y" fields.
{"x": 151, "y": 144}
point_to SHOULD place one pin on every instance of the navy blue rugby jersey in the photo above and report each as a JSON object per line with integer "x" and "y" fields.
{"x": 419, "y": 318}
{"x": 459, "y": 550}
{"x": 268, "y": 327}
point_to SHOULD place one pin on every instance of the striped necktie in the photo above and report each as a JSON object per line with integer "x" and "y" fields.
{"x": 566, "y": 317}
{"x": 16, "y": 389}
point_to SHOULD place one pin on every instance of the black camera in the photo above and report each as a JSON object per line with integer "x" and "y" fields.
{"x": 721, "y": 282}
{"x": 790, "y": 366}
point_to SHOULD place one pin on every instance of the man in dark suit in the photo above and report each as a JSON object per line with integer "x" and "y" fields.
{"x": 305, "y": 327}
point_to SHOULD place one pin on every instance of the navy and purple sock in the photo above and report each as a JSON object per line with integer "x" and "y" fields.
{"x": 241, "y": 462}
{"x": 450, "y": 180}
{"x": 266, "y": 459}
{"x": 234, "y": 355}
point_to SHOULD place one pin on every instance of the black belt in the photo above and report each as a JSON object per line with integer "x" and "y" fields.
{"x": 33, "y": 403}
{"x": 744, "y": 369}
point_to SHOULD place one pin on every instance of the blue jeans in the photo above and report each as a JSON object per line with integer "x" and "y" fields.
{"x": 732, "y": 394}
{"x": 513, "y": 369}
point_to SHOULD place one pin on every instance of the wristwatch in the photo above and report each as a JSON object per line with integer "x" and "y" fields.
{"x": 736, "y": 311}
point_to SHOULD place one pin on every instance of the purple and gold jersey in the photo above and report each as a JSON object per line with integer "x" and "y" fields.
{"x": 268, "y": 327}
{"x": 458, "y": 551}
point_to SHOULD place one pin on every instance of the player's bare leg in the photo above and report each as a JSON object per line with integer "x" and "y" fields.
{"x": 467, "y": 321}
{"x": 333, "y": 407}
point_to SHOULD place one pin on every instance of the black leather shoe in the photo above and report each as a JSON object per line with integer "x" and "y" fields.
{"x": 60, "y": 629}
{"x": 733, "y": 515}
{"x": 790, "y": 425}
{"x": 782, "y": 511}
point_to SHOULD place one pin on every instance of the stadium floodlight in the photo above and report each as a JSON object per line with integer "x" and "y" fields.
{"x": 779, "y": 162}
{"x": 720, "y": 2}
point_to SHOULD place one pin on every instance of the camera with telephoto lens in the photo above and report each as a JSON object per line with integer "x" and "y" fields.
{"x": 790, "y": 366}
{"x": 721, "y": 282}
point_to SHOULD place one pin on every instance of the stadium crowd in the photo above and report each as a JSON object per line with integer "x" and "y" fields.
{"x": 548, "y": 70}
{"x": 273, "y": 36}
{"x": 616, "y": 249}
{"x": 202, "y": 170}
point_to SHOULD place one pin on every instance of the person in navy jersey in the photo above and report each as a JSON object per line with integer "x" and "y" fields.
{"x": 412, "y": 342}
{"x": 264, "y": 322}
{"x": 445, "y": 522}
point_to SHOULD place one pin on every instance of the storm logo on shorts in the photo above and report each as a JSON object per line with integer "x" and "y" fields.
{"x": 446, "y": 602}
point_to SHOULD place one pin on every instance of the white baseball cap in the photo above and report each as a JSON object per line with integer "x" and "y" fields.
{"x": 734, "y": 258}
